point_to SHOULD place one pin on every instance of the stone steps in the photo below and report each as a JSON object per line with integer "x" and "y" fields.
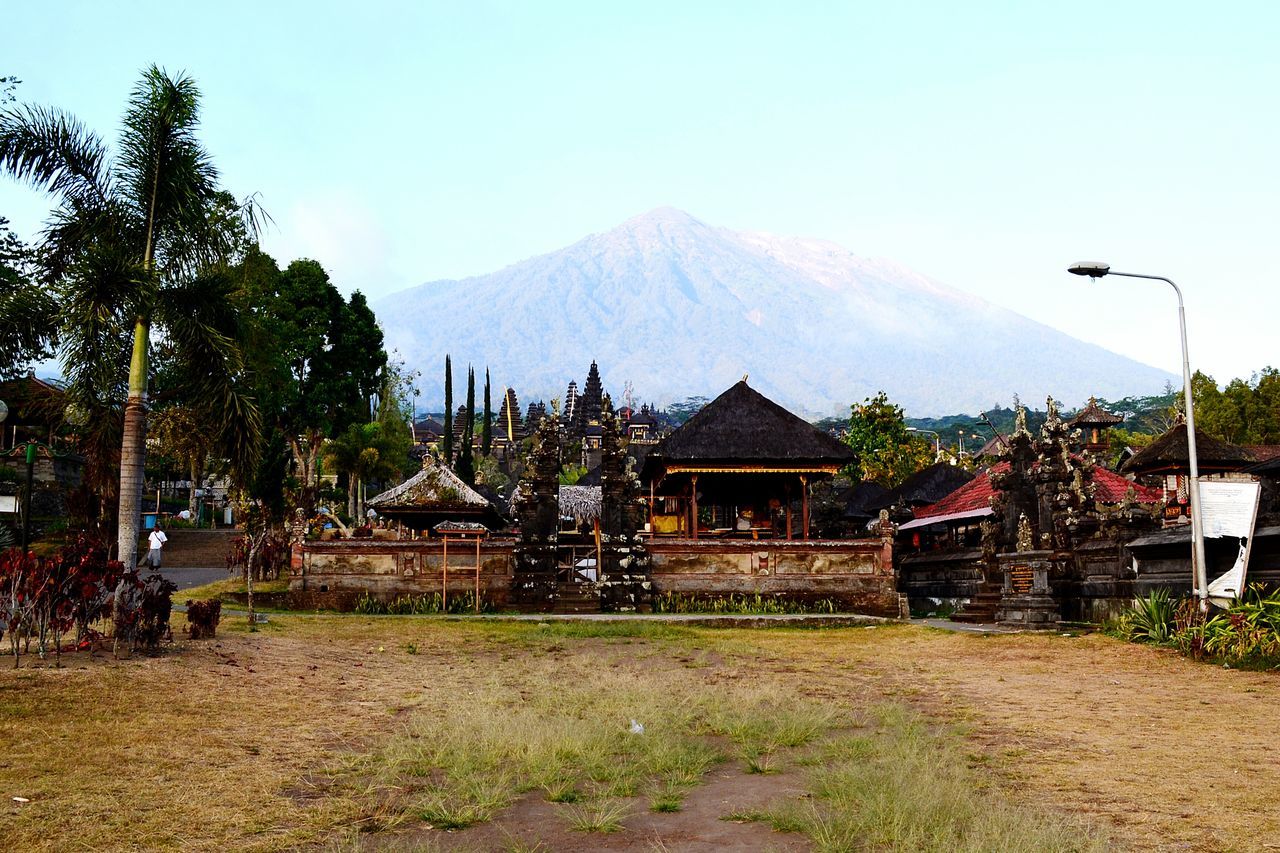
{"x": 195, "y": 549}
{"x": 981, "y": 609}
{"x": 573, "y": 598}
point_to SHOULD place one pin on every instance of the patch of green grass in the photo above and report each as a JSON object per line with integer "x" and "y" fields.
{"x": 603, "y": 816}
{"x": 571, "y": 741}
{"x": 907, "y": 786}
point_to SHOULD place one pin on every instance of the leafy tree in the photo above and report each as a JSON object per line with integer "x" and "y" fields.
{"x": 128, "y": 246}
{"x": 317, "y": 359}
{"x": 883, "y": 449}
{"x": 27, "y": 311}
{"x": 186, "y": 437}
{"x": 1244, "y": 412}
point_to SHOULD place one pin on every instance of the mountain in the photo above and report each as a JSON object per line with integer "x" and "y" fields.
{"x": 681, "y": 308}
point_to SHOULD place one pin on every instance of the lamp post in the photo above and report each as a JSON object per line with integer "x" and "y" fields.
{"x": 937, "y": 441}
{"x": 1200, "y": 581}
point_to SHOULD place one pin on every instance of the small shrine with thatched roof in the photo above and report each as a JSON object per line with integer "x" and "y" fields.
{"x": 434, "y": 495}
{"x": 741, "y": 466}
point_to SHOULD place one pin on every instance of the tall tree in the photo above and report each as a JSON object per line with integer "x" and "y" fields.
{"x": 883, "y": 449}
{"x": 27, "y": 311}
{"x": 127, "y": 244}
{"x": 465, "y": 467}
{"x": 486, "y": 426}
{"x": 448, "y": 411}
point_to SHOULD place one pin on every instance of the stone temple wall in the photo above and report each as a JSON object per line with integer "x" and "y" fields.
{"x": 857, "y": 575}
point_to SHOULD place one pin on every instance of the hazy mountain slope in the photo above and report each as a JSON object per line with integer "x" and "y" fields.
{"x": 682, "y": 308}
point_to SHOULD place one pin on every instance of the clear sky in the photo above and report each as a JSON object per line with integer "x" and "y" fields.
{"x": 988, "y": 145}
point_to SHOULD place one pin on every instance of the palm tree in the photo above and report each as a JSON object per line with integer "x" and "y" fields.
{"x": 133, "y": 248}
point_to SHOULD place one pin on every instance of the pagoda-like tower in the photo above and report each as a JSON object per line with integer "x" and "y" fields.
{"x": 591, "y": 403}
{"x": 537, "y": 411}
{"x": 459, "y": 422}
{"x": 570, "y": 414}
{"x": 510, "y": 426}
{"x": 1094, "y": 421}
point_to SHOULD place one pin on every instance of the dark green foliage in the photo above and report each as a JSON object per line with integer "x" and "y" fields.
{"x": 27, "y": 311}
{"x": 1244, "y": 412}
{"x": 419, "y": 605}
{"x": 465, "y": 467}
{"x": 486, "y": 426}
{"x": 884, "y": 452}
{"x": 271, "y": 478}
{"x": 735, "y": 603}
{"x": 448, "y": 411}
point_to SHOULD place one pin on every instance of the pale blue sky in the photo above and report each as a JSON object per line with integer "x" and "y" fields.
{"x": 987, "y": 145}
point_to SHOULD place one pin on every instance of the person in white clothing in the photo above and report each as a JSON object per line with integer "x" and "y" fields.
{"x": 156, "y": 541}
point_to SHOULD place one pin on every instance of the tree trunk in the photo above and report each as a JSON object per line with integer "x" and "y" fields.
{"x": 306, "y": 453}
{"x": 133, "y": 452}
{"x": 193, "y": 504}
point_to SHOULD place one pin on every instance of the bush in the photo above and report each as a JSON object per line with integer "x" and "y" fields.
{"x": 1246, "y": 634}
{"x": 1151, "y": 619}
{"x": 744, "y": 604}
{"x": 141, "y": 610}
{"x": 203, "y": 618}
{"x": 43, "y": 597}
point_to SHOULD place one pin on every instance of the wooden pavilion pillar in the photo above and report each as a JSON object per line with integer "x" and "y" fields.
{"x": 804, "y": 504}
{"x": 444, "y": 579}
{"x": 787, "y": 491}
{"x": 693, "y": 502}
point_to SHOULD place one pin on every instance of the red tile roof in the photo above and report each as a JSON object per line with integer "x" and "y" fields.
{"x": 976, "y": 494}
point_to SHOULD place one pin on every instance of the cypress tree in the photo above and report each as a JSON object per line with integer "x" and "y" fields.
{"x": 486, "y": 426}
{"x": 448, "y": 411}
{"x": 466, "y": 467}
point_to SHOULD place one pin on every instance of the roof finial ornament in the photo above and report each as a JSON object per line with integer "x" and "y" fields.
{"x": 744, "y": 377}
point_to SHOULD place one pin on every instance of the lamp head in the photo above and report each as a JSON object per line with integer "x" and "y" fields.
{"x": 1093, "y": 269}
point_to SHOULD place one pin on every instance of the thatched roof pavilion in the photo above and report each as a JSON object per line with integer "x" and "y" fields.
{"x": 1168, "y": 455}
{"x": 434, "y": 495}
{"x": 744, "y": 457}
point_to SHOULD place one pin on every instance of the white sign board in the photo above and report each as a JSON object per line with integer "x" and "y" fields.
{"x": 1227, "y": 508}
{"x": 9, "y": 503}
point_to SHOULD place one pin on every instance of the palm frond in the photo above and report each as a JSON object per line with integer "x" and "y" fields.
{"x": 53, "y": 151}
{"x": 200, "y": 322}
{"x": 171, "y": 178}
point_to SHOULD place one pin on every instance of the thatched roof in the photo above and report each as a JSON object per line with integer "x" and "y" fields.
{"x": 742, "y": 425}
{"x": 931, "y": 484}
{"x": 1168, "y": 455}
{"x": 865, "y": 500}
{"x": 1094, "y": 415}
{"x": 581, "y": 503}
{"x": 434, "y": 486}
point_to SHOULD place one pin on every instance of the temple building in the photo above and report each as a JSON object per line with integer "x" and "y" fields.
{"x": 1094, "y": 421}
{"x": 509, "y": 426}
{"x": 1164, "y": 464}
{"x": 431, "y": 496}
{"x": 743, "y": 466}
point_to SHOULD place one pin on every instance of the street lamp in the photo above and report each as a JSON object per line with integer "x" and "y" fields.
{"x": 937, "y": 441}
{"x": 1200, "y": 579}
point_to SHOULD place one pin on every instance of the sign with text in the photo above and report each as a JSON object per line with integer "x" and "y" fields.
{"x": 1228, "y": 508}
{"x": 1021, "y": 579}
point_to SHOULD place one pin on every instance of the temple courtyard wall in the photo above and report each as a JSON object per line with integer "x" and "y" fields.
{"x": 855, "y": 576}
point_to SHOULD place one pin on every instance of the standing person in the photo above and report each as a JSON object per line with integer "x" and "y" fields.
{"x": 156, "y": 540}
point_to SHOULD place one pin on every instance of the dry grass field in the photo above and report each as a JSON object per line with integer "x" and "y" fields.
{"x": 344, "y": 732}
